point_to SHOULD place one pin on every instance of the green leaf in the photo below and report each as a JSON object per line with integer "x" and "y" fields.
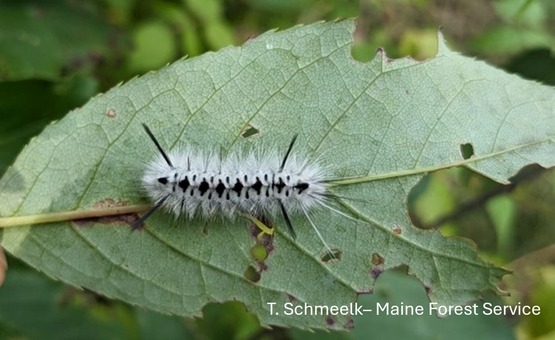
{"x": 45, "y": 40}
{"x": 23, "y": 118}
{"x": 386, "y": 123}
{"x": 34, "y": 307}
{"x": 395, "y": 289}
{"x": 154, "y": 46}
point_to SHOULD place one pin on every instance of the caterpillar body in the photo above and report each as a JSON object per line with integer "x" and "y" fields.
{"x": 201, "y": 183}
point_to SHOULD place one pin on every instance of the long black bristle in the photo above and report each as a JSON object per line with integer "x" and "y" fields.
{"x": 287, "y": 221}
{"x": 138, "y": 223}
{"x": 151, "y": 135}
{"x": 288, "y": 152}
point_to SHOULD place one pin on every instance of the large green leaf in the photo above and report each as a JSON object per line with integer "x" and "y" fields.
{"x": 34, "y": 307}
{"x": 387, "y": 122}
{"x": 49, "y": 39}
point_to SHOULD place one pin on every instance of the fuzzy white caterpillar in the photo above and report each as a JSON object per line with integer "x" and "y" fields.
{"x": 200, "y": 183}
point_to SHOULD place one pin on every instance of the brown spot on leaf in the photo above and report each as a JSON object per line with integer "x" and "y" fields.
{"x": 262, "y": 266}
{"x": 331, "y": 256}
{"x": 111, "y": 113}
{"x": 124, "y": 219}
{"x": 377, "y": 259}
{"x": 350, "y": 324}
{"x": 261, "y": 237}
{"x": 374, "y": 273}
{"x": 264, "y": 244}
{"x": 109, "y": 203}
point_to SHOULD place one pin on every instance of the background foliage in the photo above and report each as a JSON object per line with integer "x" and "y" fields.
{"x": 55, "y": 55}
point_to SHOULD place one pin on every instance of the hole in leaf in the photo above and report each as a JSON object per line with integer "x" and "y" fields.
{"x": 259, "y": 252}
{"x": 83, "y": 297}
{"x": 375, "y": 273}
{"x": 467, "y": 150}
{"x": 249, "y": 131}
{"x": 331, "y": 255}
{"x": 263, "y": 237}
{"x": 377, "y": 259}
{"x": 251, "y": 274}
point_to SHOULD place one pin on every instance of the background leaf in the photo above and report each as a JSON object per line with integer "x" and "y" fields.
{"x": 36, "y": 307}
{"x": 55, "y": 53}
{"x": 33, "y": 306}
{"x": 390, "y": 120}
{"x": 45, "y": 41}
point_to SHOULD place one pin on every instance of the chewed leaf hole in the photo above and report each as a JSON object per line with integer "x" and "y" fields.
{"x": 249, "y": 131}
{"x": 331, "y": 255}
{"x": 377, "y": 259}
{"x": 259, "y": 252}
{"x": 467, "y": 150}
{"x": 251, "y": 274}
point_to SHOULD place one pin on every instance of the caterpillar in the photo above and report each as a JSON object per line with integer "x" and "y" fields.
{"x": 188, "y": 182}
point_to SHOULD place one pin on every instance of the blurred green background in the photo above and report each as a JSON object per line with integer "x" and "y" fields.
{"x": 55, "y": 55}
